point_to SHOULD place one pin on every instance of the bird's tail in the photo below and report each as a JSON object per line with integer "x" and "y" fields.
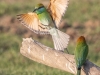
{"x": 60, "y": 40}
{"x": 79, "y": 71}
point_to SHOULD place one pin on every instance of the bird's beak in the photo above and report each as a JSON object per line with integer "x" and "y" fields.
{"x": 34, "y": 10}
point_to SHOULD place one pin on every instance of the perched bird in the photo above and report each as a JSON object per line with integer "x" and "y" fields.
{"x": 81, "y": 52}
{"x": 40, "y": 20}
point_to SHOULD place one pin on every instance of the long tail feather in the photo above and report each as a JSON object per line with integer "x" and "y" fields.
{"x": 79, "y": 71}
{"x": 61, "y": 42}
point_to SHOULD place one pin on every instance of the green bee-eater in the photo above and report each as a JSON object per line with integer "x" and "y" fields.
{"x": 81, "y": 52}
{"x": 40, "y": 20}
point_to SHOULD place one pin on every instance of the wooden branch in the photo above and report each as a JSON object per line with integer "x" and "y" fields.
{"x": 50, "y": 57}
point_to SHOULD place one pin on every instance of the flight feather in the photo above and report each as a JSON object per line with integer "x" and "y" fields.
{"x": 57, "y": 9}
{"x": 31, "y": 21}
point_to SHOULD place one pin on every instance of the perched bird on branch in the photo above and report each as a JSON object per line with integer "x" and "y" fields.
{"x": 81, "y": 52}
{"x": 40, "y": 20}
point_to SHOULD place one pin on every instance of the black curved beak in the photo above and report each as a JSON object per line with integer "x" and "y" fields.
{"x": 34, "y": 10}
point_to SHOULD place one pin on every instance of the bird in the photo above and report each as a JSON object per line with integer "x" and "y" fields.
{"x": 44, "y": 21}
{"x": 81, "y": 52}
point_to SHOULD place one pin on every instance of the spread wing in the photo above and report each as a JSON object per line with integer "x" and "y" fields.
{"x": 57, "y": 9}
{"x": 31, "y": 21}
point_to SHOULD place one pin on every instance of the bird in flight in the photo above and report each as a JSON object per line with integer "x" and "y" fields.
{"x": 41, "y": 19}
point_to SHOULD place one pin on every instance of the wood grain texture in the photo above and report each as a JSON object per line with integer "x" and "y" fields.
{"x": 50, "y": 57}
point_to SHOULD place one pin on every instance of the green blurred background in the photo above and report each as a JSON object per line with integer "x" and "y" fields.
{"x": 82, "y": 18}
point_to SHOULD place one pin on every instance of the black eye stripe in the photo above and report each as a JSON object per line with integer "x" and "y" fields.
{"x": 38, "y": 8}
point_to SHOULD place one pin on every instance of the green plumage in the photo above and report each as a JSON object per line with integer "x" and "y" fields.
{"x": 43, "y": 15}
{"x": 46, "y": 19}
{"x": 81, "y": 52}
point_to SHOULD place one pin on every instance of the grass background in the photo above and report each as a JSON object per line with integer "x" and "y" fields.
{"x": 82, "y": 18}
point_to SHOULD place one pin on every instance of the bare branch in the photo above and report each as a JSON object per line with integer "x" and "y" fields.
{"x": 50, "y": 57}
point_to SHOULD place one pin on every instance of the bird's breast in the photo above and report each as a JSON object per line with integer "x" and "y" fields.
{"x": 45, "y": 18}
